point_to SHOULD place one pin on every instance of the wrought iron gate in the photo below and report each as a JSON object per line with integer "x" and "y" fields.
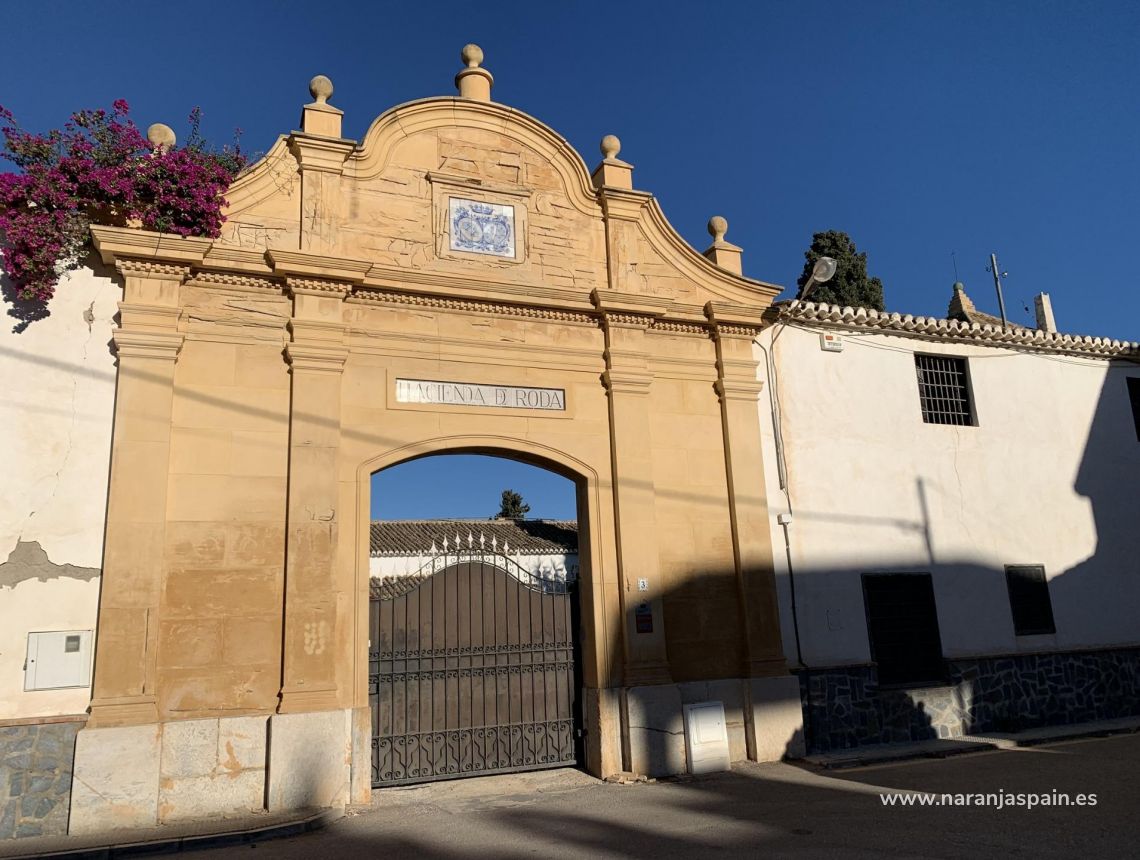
{"x": 471, "y": 671}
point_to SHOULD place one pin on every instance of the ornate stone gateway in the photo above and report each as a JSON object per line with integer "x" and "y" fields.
{"x": 345, "y": 322}
{"x": 471, "y": 671}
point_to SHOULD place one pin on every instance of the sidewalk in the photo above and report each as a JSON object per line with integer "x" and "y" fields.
{"x": 761, "y": 789}
{"x": 170, "y": 839}
{"x": 941, "y": 748}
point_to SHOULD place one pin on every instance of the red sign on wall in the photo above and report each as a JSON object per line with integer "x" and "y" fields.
{"x": 643, "y": 618}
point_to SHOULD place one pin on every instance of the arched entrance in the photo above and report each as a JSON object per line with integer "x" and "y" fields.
{"x": 474, "y": 625}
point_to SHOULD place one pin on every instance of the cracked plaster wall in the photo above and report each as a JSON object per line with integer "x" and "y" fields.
{"x": 58, "y": 379}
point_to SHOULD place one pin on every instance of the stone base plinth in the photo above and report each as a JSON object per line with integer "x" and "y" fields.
{"x": 777, "y": 718}
{"x": 654, "y": 729}
{"x": 310, "y": 759}
{"x": 132, "y": 777}
{"x": 763, "y": 719}
{"x": 115, "y": 783}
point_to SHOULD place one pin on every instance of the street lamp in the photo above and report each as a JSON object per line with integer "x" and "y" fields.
{"x": 822, "y": 272}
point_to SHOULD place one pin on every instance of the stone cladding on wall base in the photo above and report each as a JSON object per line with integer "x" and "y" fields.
{"x": 844, "y": 707}
{"x": 35, "y": 778}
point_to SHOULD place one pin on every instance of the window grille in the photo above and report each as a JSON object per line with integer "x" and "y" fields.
{"x": 1029, "y": 599}
{"x": 943, "y": 390}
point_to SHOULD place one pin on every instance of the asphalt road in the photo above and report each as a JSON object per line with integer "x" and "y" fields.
{"x": 756, "y": 810}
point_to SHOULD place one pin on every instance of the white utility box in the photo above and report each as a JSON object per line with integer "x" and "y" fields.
{"x": 830, "y": 342}
{"x": 706, "y": 737}
{"x": 58, "y": 659}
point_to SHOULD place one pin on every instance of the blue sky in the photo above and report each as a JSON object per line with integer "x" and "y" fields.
{"x": 921, "y": 128}
{"x": 467, "y": 486}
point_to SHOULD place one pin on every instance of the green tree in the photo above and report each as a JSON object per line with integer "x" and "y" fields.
{"x": 850, "y": 286}
{"x": 512, "y": 506}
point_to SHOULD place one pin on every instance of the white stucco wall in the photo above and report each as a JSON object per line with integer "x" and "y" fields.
{"x": 549, "y": 565}
{"x": 1048, "y": 476}
{"x": 58, "y": 382}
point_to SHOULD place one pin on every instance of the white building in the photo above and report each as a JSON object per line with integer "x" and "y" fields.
{"x": 58, "y": 383}
{"x": 546, "y": 549}
{"x": 954, "y": 522}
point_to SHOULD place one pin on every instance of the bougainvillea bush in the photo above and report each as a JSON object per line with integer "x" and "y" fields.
{"x": 98, "y": 169}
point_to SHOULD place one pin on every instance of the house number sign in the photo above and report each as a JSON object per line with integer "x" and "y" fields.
{"x": 470, "y": 394}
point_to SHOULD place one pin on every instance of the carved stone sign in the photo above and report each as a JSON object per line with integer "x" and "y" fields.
{"x": 470, "y": 394}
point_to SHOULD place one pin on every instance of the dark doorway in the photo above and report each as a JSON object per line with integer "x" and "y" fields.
{"x": 902, "y": 623}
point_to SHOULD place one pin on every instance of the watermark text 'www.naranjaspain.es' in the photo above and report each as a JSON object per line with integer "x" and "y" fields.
{"x": 989, "y": 800}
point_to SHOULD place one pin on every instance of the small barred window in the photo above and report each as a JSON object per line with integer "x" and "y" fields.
{"x": 944, "y": 390}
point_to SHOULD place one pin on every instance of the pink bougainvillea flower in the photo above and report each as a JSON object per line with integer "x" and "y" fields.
{"x": 98, "y": 169}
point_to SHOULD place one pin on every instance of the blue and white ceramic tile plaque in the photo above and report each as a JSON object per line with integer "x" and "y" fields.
{"x": 482, "y": 228}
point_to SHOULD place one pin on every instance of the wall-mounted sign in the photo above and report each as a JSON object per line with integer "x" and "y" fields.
{"x": 470, "y": 394}
{"x": 643, "y": 618}
{"x": 482, "y": 228}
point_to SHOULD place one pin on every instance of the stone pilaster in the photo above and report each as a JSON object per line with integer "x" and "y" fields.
{"x": 627, "y": 378}
{"x": 734, "y": 328}
{"x": 147, "y": 344}
{"x": 316, "y": 353}
{"x": 320, "y": 160}
{"x": 316, "y": 356}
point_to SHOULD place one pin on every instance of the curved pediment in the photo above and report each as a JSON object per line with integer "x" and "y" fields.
{"x": 377, "y": 148}
{"x": 431, "y": 180}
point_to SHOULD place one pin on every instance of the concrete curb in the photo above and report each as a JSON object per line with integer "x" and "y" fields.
{"x": 169, "y": 840}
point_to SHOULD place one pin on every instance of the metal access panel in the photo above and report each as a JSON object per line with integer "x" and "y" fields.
{"x": 472, "y": 671}
{"x": 58, "y": 659}
{"x": 706, "y": 738}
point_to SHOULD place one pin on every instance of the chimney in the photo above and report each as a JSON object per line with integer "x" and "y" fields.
{"x": 1044, "y": 308}
{"x": 960, "y": 304}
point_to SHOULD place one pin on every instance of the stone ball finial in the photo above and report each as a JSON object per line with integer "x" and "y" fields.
{"x": 718, "y": 226}
{"x": 610, "y": 146}
{"x": 321, "y": 89}
{"x": 471, "y": 55}
{"x": 161, "y": 136}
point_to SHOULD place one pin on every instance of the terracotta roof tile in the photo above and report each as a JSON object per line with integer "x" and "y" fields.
{"x": 399, "y": 537}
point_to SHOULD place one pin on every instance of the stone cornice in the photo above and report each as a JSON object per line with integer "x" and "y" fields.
{"x": 127, "y": 266}
{"x": 627, "y": 381}
{"x": 317, "y": 287}
{"x": 317, "y": 152}
{"x": 462, "y": 182}
{"x": 668, "y": 326}
{"x": 738, "y": 389}
{"x": 319, "y": 358}
{"x": 233, "y": 281}
{"x": 301, "y": 265}
{"x": 934, "y": 328}
{"x": 385, "y": 297}
{"x": 162, "y": 345}
{"x": 733, "y": 320}
{"x": 615, "y": 303}
{"x": 114, "y": 243}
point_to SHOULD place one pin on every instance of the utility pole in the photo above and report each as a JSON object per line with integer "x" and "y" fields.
{"x": 997, "y": 285}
